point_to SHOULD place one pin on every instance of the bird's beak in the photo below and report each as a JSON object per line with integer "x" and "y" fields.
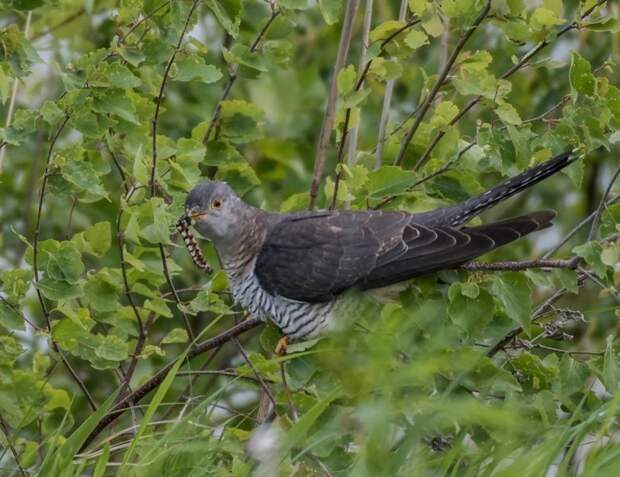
{"x": 195, "y": 216}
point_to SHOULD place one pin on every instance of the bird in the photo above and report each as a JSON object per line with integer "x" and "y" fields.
{"x": 293, "y": 269}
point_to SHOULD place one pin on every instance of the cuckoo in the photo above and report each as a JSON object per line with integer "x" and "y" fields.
{"x": 295, "y": 268}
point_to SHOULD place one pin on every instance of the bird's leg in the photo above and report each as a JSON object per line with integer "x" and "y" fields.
{"x": 282, "y": 346}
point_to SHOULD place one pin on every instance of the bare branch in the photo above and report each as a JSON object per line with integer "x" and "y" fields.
{"x": 365, "y": 41}
{"x": 576, "y": 229}
{"x": 522, "y": 265}
{"x": 421, "y": 112}
{"x": 330, "y": 111}
{"x": 601, "y": 205}
{"x": 259, "y": 377}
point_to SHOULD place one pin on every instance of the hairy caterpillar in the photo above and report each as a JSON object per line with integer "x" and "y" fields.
{"x": 191, "y": 244}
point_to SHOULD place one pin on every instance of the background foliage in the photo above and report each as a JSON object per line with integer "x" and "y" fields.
{"x": 113, "y": 111}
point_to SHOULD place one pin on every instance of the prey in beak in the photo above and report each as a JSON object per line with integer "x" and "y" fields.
{"x": 182, "y": 226}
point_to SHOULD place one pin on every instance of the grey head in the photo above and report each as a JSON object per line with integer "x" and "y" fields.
{"x": 217, "y": 212}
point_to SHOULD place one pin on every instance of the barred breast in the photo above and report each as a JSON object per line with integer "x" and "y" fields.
{"x": 297, "y": 320}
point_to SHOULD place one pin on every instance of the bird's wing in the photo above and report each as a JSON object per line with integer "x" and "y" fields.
{"x": 315, "y": 257}
{"x": 430, "y": 249}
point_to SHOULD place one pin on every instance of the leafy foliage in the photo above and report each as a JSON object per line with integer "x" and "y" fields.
{"x": 115, "y": 110}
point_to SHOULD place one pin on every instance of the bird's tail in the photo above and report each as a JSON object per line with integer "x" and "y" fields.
{"x": 460, "y": 213}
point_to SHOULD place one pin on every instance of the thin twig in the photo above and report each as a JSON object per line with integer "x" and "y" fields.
{"x": 330, "y": 110}
{"x": 601, "y": 205}
{"x": 136, "y": 355}
{"x": 7, "y": 436}
{"x": 576, "y": 229}
{"x": 158, "y": 102}
{"x": 160, "y": 96}
{"x": 35, "y": 267}
{"x": 259, "y": 377}
{"x": 509, "y": 72}
{"x": 232, "y": 77}
{"x": 156, "y": 380}
{"x": 421, "y": 111}
{"x": 446, "y": 167}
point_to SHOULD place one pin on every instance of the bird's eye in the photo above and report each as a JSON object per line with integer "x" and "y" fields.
{"x": 216, "y": 204}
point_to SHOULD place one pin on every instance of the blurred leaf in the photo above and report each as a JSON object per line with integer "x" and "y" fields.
{"x": 513, "y": 291}
{"x": 581, "y": 78}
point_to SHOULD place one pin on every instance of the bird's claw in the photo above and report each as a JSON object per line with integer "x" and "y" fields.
{"x": 282, "y": 346}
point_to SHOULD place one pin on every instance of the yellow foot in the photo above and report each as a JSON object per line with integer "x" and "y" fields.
{"x": 282, "y": 346}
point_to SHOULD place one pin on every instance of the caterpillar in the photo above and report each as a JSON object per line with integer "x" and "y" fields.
{"x": 191, "y": 244}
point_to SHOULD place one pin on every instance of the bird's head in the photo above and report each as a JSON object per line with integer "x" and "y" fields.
{"x": 215, "y": 210}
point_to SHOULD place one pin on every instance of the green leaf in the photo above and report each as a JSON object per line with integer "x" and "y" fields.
{"x": 115, "y": 75}
{"x": 389, "y": 180}
{"x": 194, "y": 68}
{"x": 444, "y": 113}
{"x": 59, "y": 290}
{"x": 101, "y": 291}
{"x": 508, "y": 113}
{"x": 95, "y": 240}
{"x": 177, "y": 335}
{"x": 65, "y": 264}
{"x": 346, "y": 80}
{"x": 471, "y": 314}
{"x": 207, "y": 301}
{"x": 240, "y": 121}
{"x": 539, "y": 375}
{"x": 9, "y": 318}
{"x": 16, "y": 282}
{"x": 228, "y": 14}
{"x": 591, "y": 253}
{"x": 331, "y": 10}
{"x": 385, "y": 29}
{"x": 543, "y": 18}
{"x": 513, "y": 291}
{"x": 416, "y": 39}
{"x": 85, "y": 177}
{"x": 582, "y": 80}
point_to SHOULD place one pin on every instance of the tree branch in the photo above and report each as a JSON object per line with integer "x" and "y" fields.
{"x": 601, "y": 205}
{"x": 330, "y": 111}
{"x": 518, "y": 265}
{"x": 421, "y": 112}
{"x": 387, "y": 101}
{"x": 157, "y": 379}
{"x": 365, "y": 40}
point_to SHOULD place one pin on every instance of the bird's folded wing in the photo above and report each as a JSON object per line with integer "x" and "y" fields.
{"x": 315, "y": 257}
